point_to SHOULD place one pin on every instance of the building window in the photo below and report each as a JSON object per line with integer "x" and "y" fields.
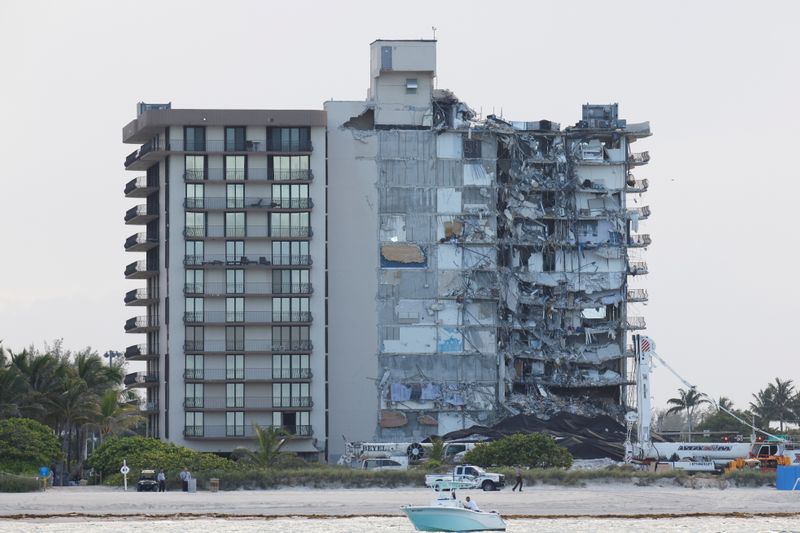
{"x": 193, "y": 310}
{"x": 193, "y": 282}
{"x": 290, "y": 225}
{"x": 290, "y": 282}
{"x": 193, "y": 424}
{"x": 234, "y": 193}
{"x": 234, "y": 309}
{"x": 290, "y": 139}
{"x": 195, "y": 224}
{"x": 234, "y": 366}
{"x": 234, "y": 139}
{"x": 291, "y": 367}
{"x": 235, "y": 167}
{"x": 472, "y": 148}
{"x": 194, "y": 138}
{"x": 194, "y": 253}
{"x": 290, "y": 338}
{"x": 293, "y": 167}
{"x": 194, "y": 367}
{"x": 195, "y": 195}
{"x": 291, "y": 196}
{"x": 234, "y": 251}
{"x": 234, "y": 423}
{"x": 234, "y": 338}
{"x": 194, "y": 167}
{"x": 295, "y": 423}
{"x": 194, "y": 395}
{"x": 290, "y": 253}
{"x": 235, "y": 224}
{"x": 411, "y": 85}
{"x": 290, "y": 310}
{"x": 234, "y": 281}
{"x": 290, "y": 395}
{"x": 234, "y": 395}
{"x": 194, "y": 338}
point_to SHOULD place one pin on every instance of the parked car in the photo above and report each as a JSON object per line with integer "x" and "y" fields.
{"x": 395, "y": 463}
{"x": 147, "y": 482}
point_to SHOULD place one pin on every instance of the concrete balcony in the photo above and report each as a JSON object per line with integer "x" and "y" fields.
{"x": 637, "y": 186}
{"x": 636, "y": 295}
{"x": 248, "y": 232}
{"x": 224, "y": 261}
{"x": 249, "y": 174}
{"x": 141, "y": 187}
{"x": 140, "y": 214}
{"x": 142, "y": 324}
{"x": 247, "y": 403}
{"x": 637, "y": 159}
{"x": 140, "y": 270}
{"x": 139, "y": 352}
{"x": 255, "y": 346}
{"x": 642, "y": 213}
{"x": 141, "y": 380}
{"x": 246, "y": 289}
{"x": 145, "y": 156}
{"x": 210, "y": 375}
{"x": 248, "y": 203}
{"x": 140, "y": 242}
{"x": 139, "y": 297}
{"x": 240, "y": 432}
{"x": 633, "y": 323}
{"x": 247, "y": 317}
{"x": 639, "y": 241}
{"x": 637, "y": 268}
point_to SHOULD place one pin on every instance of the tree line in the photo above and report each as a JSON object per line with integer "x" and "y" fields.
{"x": 777, "y": 403}
{"x": 76, "y": 394}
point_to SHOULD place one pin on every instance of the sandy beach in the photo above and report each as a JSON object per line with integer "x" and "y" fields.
{"x": 596, "y": 500}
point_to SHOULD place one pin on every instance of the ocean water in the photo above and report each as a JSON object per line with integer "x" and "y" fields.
{"x": 402, "y": 525}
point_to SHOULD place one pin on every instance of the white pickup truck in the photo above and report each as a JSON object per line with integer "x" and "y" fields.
{"x": 467, "y": 477}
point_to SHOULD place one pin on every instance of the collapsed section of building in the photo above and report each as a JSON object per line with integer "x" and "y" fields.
{"x": 507, "y": 252}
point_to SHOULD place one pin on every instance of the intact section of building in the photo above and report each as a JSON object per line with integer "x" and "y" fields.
{"x": 232, "y": 278}
{"x": 496, "y": 259}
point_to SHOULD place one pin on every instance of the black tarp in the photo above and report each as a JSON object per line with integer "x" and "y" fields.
{"x": 585, "y": 437}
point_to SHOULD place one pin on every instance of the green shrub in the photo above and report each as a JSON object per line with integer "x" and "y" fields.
{"x": 147, "y": 453}
{"x": 532, "y": 449}
{"x": 26, "y": 445}
{"x": 750, "y": 478}
{"x": 14, "y": 483}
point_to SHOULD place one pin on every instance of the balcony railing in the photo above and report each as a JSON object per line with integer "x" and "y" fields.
{"x": 635, "y": 322}
{"x": 222, "y": 288}
{"x": 246, "y": 374}
{"x": 222, "y": 432}
{"x": 634, "y": 185}
{"x": 141, "y": 187}
{"x": 227, "y": 260}
{"x": 637, "y": 295}
{"x": 221, "y": 202}
{"x": 140, "y": 269}
{"x": 138, "y": 378}
{"x": 249, "y": 174}
{"x": 640, "y": 212}
{"x": 148, "y": 407}
{"x": 142, "y": 323}
{"x": 637, "y": 268}
{"x": 248, "y": 346}
{"x": 249, "y": 231}
{"x": 279, "y": 145}
{"x": 247, "y": 402}
{"x": 139, "y": 351}
{"x": 140, "y": 242}
{"x": 138, "y": 296}
{"x": 640, "y": 240}
{"x": 140, "y": 214}
{"x": 639, "y": 159}
{"x": 255, "y": 145}
{"x": 264, "y": 317}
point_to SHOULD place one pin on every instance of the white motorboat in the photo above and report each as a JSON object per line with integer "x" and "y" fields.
{"x": 446, "y": 513}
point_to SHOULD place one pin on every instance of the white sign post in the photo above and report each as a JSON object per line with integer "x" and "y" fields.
{"x": 124, "y": 471}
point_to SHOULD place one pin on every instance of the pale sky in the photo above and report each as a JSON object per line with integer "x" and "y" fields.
{"x": 718, "y": 82}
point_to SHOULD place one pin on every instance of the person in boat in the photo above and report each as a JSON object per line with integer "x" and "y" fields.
{"x": 471, "y": 505}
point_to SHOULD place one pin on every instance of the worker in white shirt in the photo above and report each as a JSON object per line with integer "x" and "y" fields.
{"x": 471, "y": 505}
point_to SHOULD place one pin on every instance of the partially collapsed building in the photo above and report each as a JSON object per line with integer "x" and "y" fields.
{"x": 477, "y": 267}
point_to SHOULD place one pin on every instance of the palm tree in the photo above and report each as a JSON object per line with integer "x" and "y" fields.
{"x": 73, "y": 407}
{"x": 688, "y": 401}
{"x": 782, "y": 397}
{"x": 724, "y": 403}
{"x": 269, "y": 441}
{"x": 763, "y": 406}
{"x": 115, "y": 417}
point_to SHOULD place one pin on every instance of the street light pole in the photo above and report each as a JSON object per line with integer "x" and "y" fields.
{"x": 110, "y": 355}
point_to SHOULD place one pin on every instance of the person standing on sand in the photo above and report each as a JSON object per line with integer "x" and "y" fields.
{"x": 185, "y": 477}
{"x": 518, "y": 473}
{"x": 162, "y": 481}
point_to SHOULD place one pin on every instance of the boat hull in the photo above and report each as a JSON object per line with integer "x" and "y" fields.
{"x": 437, "y": 518}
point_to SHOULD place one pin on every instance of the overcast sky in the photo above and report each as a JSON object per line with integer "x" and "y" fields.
{"x": 718, "y": 82}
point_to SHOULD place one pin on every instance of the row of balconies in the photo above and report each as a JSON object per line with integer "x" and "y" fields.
{"x": 245, "y": 403}
{"x": 247, "y": 374}
{"x": 254, "y": 346}
{"x": 247, "y": 289}
{"x": 240, "y": 432}
{"x": 246, "y": 317}
{"x": 249, "y": 231}
{"x": 220, "y": 203}
{"x": 154, "y": 149}
{"x": 248, "y": 174}
{"x": 141, "y": 324}
{"x": 224, "y": 260}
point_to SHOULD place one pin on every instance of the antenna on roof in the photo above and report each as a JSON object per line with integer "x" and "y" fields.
{"x": 434, "y": 32}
